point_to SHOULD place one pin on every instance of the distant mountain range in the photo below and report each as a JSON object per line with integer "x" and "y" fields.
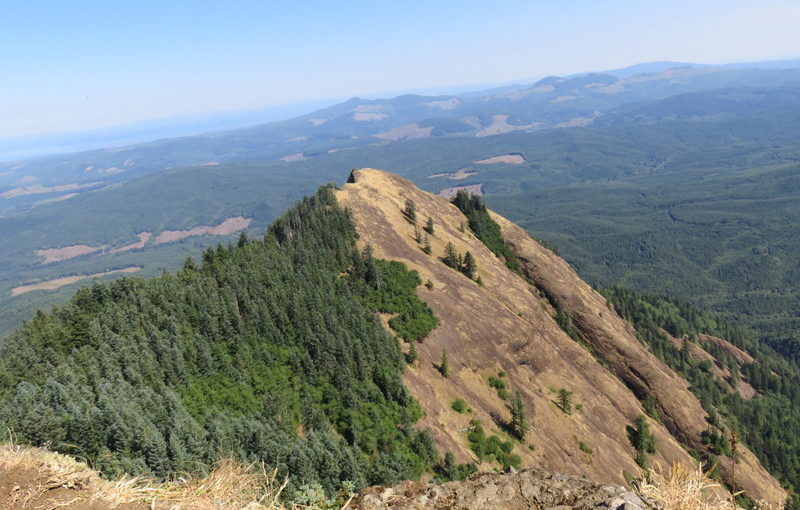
{"x": 552, "y": 102}
{"x": 144, "y": 206}
{"x": 29, "y": 146}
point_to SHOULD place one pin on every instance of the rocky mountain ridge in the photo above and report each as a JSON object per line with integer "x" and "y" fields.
{"x": 503, "y": 325}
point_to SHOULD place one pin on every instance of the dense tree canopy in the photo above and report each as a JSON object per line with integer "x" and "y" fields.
{"x": 262, "y": 352}
{"x": 485, "y": 228}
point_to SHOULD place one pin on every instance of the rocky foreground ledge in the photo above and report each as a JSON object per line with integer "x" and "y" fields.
{"x": 528, "y": 489}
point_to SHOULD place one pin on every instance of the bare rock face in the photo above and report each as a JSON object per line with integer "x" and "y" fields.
{"x": 529, "y": 489}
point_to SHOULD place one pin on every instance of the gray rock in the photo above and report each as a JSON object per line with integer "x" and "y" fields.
{"x": 528, "y": 489}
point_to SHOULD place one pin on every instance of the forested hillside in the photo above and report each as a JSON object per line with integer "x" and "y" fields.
{"x": 768, "y": 421}
{"x": 264, "y": 351}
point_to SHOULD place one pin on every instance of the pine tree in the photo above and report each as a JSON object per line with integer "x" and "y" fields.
{"x": 426, "y": 246}
{"x": 444, "y": 366}
{"x": 410, "y": 210}
{"x": 565, "y": 400}
{"x": 429, "y": 226}
{"x": 189, "y": 264}
{"x": 650, "y": 407}
{"x": 643, "y": 440}
{"x": 519, "y": 424}
{"x": 468, "y": 265}
{"x": 411, "y": 355}
{"x": 451, "y": 256}
{"x": 371, "y": 274}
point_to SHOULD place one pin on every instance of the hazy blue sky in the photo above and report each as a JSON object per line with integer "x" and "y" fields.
{"x": 81, "y": 64}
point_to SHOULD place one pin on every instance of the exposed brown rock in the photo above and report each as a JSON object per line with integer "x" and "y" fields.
{"x": 720, "y": 372}
{"x": 737, "y": 354}
{"x": 68, "y": 280}
{"x": 229, "y": 226}
{"x": 509, "y": 159}
{"x": 67, "y": 252}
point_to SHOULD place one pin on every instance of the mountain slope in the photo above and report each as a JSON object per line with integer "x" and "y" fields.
{"x": 504, "y": 326}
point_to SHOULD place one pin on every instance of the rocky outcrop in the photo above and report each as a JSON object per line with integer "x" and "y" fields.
{"x": 529, "y": 489}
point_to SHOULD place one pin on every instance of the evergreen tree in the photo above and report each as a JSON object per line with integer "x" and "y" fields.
{"x": 444, "y": 366}
{"x": 650, "y": 407}
{"x": 189, "y": 264}
{"x": 426, "y": 245}
{"x": 485, "y": 228}
{"x": 411, "y": 355}
{"x": 410, "y": 210}
{"x": 429, "y": 226}
{"x": 451, "y": 257}
{"x": 371, "y": 274}
{"x": 643, "y": 441}
{"x": 519, "y": 423}
{"x": 565, "y": 400}
{"x": 468, "y": 265}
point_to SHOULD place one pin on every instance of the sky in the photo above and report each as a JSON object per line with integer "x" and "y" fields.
{"x": 77, "y": 65}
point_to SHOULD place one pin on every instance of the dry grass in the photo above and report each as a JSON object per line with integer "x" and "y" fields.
{"x": 230, "y": 486}
{"x": 38, "y": 478}
{"x": 30, "y": 475}
{"x": 51, "y": 471}
{"x": 683, "y": 488}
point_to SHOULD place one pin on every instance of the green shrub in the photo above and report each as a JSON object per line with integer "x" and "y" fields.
{"x": 492, "y": 447}
{"x": 460, "y": 406}
{"x": 500, "y": 385}
{"x": 391, "y": 288}
{"x": 448, "y": 469}
{"x": 565, "y": 400}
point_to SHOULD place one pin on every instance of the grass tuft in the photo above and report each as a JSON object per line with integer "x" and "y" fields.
{"x": 683, "y": 488}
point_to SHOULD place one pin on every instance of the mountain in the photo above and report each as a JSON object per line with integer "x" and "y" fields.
{"x": 552, "y": 102}
{"x": 652, "y": 67}
{"x": 15, "y": 148}
{"x": 291, "y": 349}
{"x": 506, "y": 327}
{"x": 263, "y": 352}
